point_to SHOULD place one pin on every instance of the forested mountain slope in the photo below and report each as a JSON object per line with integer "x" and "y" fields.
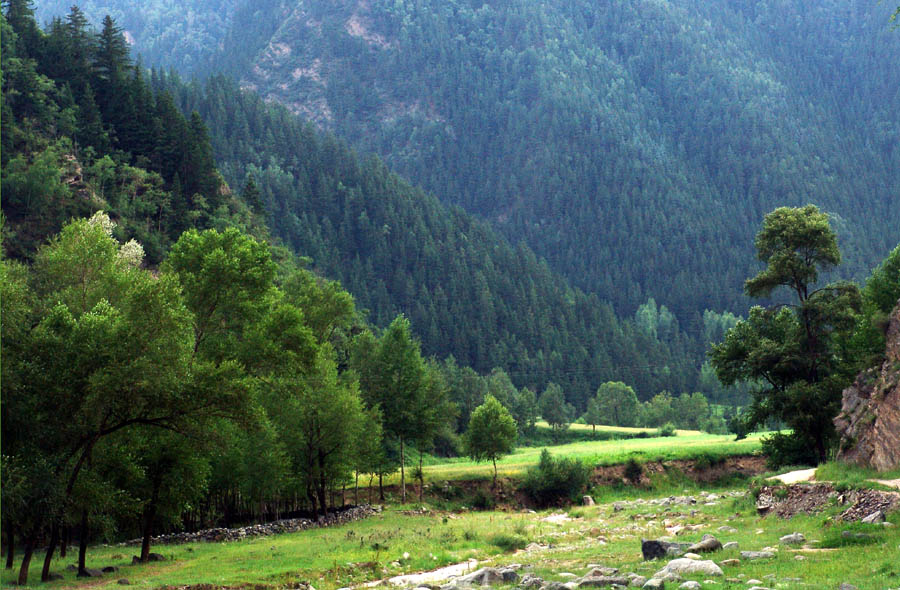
{"x": 85, "y": 130}
{"x": 644, "y": 137}
{"x": 467, "y": 291}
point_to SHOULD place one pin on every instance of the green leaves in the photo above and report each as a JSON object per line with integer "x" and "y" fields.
{"x": 793, "y": 352}
{"x": 491, "y": 433}
{"x": 795, "y": 244}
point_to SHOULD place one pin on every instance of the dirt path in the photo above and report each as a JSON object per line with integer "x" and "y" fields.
{"x": 891, "y": 483}
{"x": 798, "y": 476}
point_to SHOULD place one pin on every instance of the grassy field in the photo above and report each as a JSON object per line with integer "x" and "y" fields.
{"x": 687, "y": 444}
{"x": 400, "y": 541}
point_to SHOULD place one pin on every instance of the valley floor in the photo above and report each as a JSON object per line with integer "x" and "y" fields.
{"x": 555, "y": 546}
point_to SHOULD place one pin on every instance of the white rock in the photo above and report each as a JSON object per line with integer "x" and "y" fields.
{"x": 731, "y": 545}
{"x": 792, "y": 539}
{"x": 690, "y": 566}
{"x": 690, "y": 586}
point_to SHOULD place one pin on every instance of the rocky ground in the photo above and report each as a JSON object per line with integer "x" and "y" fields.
{"x": 714, "y": 560}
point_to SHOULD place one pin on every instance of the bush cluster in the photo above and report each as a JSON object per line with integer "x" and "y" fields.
{"x": 555, "y": 480}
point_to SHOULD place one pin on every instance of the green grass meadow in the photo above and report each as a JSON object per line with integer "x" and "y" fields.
{"x": 686, "y": 445}
{"x": 407, "y": 539}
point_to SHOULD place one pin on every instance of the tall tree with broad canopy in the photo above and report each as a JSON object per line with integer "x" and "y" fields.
{"x": 618, "y": 403}
{"x": 491, "y": 434}
{"x": 393, "y": 376}
{"x": 792, "y": 349}
{"x": 554, "y": 409}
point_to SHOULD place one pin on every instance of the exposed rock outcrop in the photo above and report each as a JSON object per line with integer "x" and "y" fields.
{"x": 869, "y": 422}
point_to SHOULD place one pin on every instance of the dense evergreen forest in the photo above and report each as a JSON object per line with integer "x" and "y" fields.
{"x": 467, "y": 291}
{"x": 645, "y": 137}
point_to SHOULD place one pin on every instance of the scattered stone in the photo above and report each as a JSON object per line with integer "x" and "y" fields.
{"x": 799, "y": 557}
{"x": 877, "y": 516}
{"x": 730, "y": 562}
{"x": 110, "y": 569}
{"x": 588, "y": 501}
{"x": 846, "y": 586}
{"x": 124, "y": 582}
{"x": 601, "y": 571}
{"x": 690, "y": 555}
{"x": 618, "y": 507}
{"x": 759, "y": 588}
{"x": 690, "y": 585}
{"x": 567, "y": 575}
{"x": 637, "y": 581}
{"x": 535, "y": 547}
{"x": 654, "y": 584}
{"x": 727, "y": 529}
{"x": 55, "y": 577}
{"x": 509, "y": 575}
{"x": 708, "y": 544}
{"x": 690, "y": 566}
{"x": 655, "y": 549}
{"x": 89, "y": 573}
{"x": 754, "y": 581}
{"x": 754, "y": 555}
{"x": 852, "y": 535}
{"x": 793, "y": 539}
{"x": 730, "y": 545}
{"x": 602, "y": 581}
{"x": 531, "y": 581}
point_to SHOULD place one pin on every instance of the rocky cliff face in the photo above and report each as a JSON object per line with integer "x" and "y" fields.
{"x": 869, "y": 422}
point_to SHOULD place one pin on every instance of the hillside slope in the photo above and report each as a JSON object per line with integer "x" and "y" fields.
{"x": 644, "y": 137}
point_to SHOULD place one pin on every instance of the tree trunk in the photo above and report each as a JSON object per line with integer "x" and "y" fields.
{"x": 402, "y": 475}
{"x": 356, "y": 491}
{"x": 51, "y": 548}
{"x": 82, "y": 544}
{"x": 381, "y": 487}
{"x": 149, "y": 517}
{"x": 421, "y": 478}
{"x": 26, "y": 561}
{"x": 10, "y": 545}
{"x": 371, "y": 478}
{"x": 494, "y": 485}
{"x": 64, "y": 542}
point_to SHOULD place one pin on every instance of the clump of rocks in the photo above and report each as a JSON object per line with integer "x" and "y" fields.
{"x": 277, "y": 527}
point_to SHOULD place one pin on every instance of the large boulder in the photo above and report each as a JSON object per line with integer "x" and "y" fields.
{"x": 683, "y": 566}
{"x": 869, "y": 422}
{"x": 656, "y": 549}
{"x": 483, "y": 577}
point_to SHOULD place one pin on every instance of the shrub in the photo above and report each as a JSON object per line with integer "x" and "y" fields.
{"x": 555, "y": 480}
{"x": 509, "y": 542}
{"x": 738, "y": 426}
{"x": 633, "y": 471}
{"x": 667, "y": 429}
{"x": 483, "y": 501}
{"x": 782, "y": 449}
